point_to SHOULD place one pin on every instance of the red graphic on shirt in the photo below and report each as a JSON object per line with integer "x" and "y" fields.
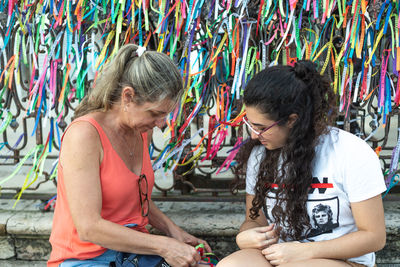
{"x": 316, "y": 184}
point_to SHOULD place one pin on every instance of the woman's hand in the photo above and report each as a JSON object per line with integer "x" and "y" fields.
{"x": 181, "y": 235}
{"x": 258, "y": 237}
{"x": 282, "y": 253}
{"x": 179, "y": 254}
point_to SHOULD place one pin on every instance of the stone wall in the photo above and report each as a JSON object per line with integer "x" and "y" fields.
{"x": 24, "y": 231}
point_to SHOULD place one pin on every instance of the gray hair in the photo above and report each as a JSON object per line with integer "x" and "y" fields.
{"x": 153, "y": 77}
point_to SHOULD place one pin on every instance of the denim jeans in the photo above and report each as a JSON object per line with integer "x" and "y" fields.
{"x": 102, "y": 261}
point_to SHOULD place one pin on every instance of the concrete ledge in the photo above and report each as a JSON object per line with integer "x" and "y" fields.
{"x": 14, "y": 263}
{"x": 24, "y": 231}
{"x": 30, "y": 223}
{"x": 206, "y": 218}
{"x": 391, "y": 252}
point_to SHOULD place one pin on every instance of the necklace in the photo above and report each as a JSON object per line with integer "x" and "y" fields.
{"x": 127, "y": 145}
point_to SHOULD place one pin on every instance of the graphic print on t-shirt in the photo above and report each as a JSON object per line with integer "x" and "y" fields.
{"x": 324, "y": 215}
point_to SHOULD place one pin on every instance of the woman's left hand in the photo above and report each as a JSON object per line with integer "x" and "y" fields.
{"x": 278, "y": 254}
{"x": 187, "y": 238}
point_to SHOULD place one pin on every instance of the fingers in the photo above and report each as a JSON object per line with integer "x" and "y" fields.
{"x": 192, "y": 258}
{"x": 272, "y": 258}
{"x": 265, "y": 243}
{"x": 269, "y": 235}
{"x": 191, "y": 240}
{"x": 183, "y": 255}
{"x": 269, "y": 250}
{"x": 268, "y": 242}
{"x": 275, "y": 262}
{"x": 206, "y": 245}
{"x": 264, "y": 229}
{"x": 274, "y": 255}
{"x": 268, "y": 254}
{"x": 196, "y": 256}
{"x": 267, "y": 231}
{"x": 262, "y": 237}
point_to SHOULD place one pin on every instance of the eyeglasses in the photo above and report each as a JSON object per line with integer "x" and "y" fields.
{"x": 259, "y": 134}
{"x": 144, "y": 202}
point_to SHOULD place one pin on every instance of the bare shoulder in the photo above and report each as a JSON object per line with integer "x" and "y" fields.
{"x": 82, "y": 132}
{"x": 81, "y": 141}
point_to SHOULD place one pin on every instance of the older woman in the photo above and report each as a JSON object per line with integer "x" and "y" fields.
{"x": 105, "y": 177}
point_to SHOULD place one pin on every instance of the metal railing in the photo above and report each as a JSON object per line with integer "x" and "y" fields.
{"x": 27, "y": 124}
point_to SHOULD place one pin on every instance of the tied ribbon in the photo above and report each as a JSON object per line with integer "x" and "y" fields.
{"x": 140, "y": 50}
{"x": 59, "y": 47}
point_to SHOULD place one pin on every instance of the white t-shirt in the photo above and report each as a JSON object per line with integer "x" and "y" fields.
{"x": 345, "y": 170}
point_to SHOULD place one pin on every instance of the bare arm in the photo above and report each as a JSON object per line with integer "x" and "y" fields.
{"x": 81, "y": 165}
{"x": 255, "y": 233}
{"x": 370, "y": 237}
{"x": 159, "y": 220}
{"x": 250, "y": 223}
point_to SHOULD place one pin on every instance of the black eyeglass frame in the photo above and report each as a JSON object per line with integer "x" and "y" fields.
{"x": 144, "y": 201}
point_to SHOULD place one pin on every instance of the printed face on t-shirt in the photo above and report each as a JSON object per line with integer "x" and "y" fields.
{"x": 321, "y": 217}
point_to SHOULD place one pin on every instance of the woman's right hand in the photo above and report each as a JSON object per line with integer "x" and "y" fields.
{"x": 179, "y": 254}
{"x": 258, "y": 237}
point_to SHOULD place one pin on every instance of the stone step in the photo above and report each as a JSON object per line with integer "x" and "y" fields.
{"x": 20, "y": 263}
{"x": 24, "y": 230}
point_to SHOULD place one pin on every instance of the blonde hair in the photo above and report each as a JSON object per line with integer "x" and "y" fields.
{"x": 153, "y": 76}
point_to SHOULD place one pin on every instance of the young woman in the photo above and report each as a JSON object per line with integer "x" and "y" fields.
{"x": 105, "y": 177}
{"x": 297, "y": 164}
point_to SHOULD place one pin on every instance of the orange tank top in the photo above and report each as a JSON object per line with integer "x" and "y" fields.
{"x": 120, "y": 202}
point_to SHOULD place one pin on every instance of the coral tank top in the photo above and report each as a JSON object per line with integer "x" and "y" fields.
{"x": 120, "y": 202}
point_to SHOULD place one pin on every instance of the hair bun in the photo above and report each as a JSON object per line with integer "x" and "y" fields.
{"x": 304, "y": 68}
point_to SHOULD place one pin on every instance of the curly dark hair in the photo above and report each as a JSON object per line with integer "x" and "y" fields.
{"x": 278, "y": 92}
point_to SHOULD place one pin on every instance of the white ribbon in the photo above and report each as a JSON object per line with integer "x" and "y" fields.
{"x": 140, "y": 50}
